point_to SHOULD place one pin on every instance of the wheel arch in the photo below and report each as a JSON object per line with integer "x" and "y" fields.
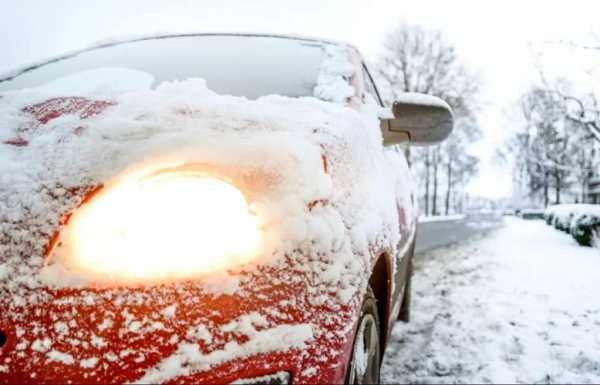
{"x": 381, "y": 284}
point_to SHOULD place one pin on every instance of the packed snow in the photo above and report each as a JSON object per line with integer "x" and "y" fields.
{"x": 517, "y": 305}
{"x": 441, "y": 218}
{"x": 189, "y": 358}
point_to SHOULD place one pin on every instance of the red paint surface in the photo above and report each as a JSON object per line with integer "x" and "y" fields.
{"x": 193, "y": 307}
{"x": 266, "y": 288}
{"x": 17, "y": 142}
{"x": 55, "y": 108}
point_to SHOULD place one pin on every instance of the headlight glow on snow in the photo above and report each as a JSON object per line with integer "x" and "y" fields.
{"x": 163, "y": 226}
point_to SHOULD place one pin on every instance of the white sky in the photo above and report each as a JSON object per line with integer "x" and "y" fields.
{"x": 495, "y": 37}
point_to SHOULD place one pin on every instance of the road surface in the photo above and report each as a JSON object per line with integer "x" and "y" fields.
{"x": 433, "y": 234}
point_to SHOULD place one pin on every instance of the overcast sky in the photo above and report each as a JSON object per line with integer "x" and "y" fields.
{"x": 497, "y": 38}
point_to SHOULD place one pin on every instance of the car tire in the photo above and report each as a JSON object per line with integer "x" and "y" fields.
{"x": 365, "y": 361}
{"x": 404, "y": 314}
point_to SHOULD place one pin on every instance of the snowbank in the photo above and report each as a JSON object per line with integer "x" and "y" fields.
{"x": 441, "y": 218}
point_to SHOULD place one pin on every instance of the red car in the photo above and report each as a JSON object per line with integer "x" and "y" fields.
{"x": 205, "y": 208}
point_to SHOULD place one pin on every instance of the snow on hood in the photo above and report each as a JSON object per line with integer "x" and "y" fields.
{"x": 329, "y": 189}
{"x": 314, "y": 171}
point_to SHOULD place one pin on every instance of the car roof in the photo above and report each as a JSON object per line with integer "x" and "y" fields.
{"x": 102, "y": 44}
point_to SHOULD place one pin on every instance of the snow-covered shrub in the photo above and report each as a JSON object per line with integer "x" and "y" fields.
{"x": 561, "y": 216}
{"x": 582, "y": 221}
{"x": 549, "y": 217}
{"x": 585, "y": 228}
{"x": 596, "y": 240}
{"x": 532, "y": 214}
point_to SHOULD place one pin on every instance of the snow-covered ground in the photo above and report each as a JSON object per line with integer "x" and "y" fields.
{"x": 520, "y": 304}
{"x": 441, "y": 218}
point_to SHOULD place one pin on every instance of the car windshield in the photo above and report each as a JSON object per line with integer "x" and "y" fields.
{"x": 239, "y": 65}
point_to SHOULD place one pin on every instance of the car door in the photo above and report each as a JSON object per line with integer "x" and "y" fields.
{"x": 405, "y": 203}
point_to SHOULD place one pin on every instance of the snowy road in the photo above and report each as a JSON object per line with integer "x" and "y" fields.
{"x": 520, "y": 305}
{"x": 434, "y": 234}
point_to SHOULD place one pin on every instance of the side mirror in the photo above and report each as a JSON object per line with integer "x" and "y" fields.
{"x": 419, "y": 118}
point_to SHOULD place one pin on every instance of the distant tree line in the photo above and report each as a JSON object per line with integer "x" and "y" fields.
{"x": 416, "y": 59}
{"x": 555, "y": 153}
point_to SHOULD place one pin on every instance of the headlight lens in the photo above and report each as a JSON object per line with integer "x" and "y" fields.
{"x": 164, "y": 226}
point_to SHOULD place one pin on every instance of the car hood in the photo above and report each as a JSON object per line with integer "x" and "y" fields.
{"x": 315, "y": 171}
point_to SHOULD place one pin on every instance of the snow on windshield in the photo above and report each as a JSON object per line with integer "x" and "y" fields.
{"x": 99, "y": 80}
{"x": 239, "y": 65}
{"x": 335, "y": 75}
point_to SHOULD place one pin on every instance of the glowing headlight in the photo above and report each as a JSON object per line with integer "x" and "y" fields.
{"x": 169, "y": 225}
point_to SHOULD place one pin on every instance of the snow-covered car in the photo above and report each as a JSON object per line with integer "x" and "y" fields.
{"x": 205, "y": 209}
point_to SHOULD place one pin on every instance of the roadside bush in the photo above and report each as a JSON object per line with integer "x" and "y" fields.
{"x": 532, "y": 214}
{"x": 563, "y": 222}
{"x": 584, "y": 229}
{"x": 582, "y": 221}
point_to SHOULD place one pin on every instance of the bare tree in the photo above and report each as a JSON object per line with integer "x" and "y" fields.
{"x": 436, "y": 166}
{"x": 581, "y": 111}
{"x": 546, "y": 148}
{"x": 585, "y": 111}
{"x": 582, "y": 108}
{"x": 416, "y": 59}
{"x": 427, "y": 156}
{"x": 459, "y": 165}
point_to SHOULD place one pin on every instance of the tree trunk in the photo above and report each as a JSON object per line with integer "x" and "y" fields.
{"x": 449, "y": 189}
{"x": 546, "y": 197}
{"x": 435, "y": 182}
{"x": 558, "y": 180}
{"x": 427, "y": 165}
